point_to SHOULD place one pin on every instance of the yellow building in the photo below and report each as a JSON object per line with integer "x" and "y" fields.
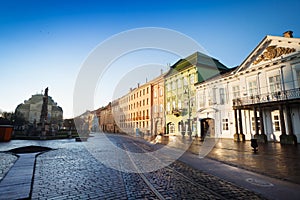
{"x": 139, "y": 109}
{"x": 180, "y": 98}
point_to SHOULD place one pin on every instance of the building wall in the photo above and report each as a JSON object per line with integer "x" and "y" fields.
{"x": 180, "y": 101}
{"x": 268, "y": 85}
{"x": 158, "y": 111}
{"x": 140, "y": 109}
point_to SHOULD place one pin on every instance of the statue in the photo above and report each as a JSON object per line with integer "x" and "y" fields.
{"x": 44, "y": 126}
{"x": 44, "y": 112}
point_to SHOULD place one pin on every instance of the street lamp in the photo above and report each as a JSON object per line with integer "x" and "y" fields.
{"x": 187, "y": 91}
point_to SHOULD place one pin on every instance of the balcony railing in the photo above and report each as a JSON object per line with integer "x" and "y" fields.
{"x": 269, "y": 97}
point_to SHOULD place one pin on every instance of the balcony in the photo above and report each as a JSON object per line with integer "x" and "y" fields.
{"x": 269, "y": 97}
{"x": 176, "y": 112}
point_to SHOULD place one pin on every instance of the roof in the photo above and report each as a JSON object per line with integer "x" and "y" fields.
{"x": 196, "y": 59}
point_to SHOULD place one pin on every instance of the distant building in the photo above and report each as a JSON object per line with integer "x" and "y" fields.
{"x": 139, "y": 105}
{"x": 31, "y": 110}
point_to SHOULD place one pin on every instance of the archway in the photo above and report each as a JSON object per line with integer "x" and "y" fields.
{"x": 170, "y": 128}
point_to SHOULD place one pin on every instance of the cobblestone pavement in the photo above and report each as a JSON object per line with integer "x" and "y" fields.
{"x": 74, "y": 172}
{"x": 272, "y": 159}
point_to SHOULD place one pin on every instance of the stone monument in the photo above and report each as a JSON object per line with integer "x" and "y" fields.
{"x": 44, "y": 116}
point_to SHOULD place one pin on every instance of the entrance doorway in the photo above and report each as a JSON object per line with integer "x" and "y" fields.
{"x": 170, "y": 128}
{"x": 207, "y": 128}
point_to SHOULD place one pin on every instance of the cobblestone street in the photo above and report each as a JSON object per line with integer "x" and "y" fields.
{"x": 73, "y": 171}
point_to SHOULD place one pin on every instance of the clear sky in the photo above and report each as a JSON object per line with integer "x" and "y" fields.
{"x": 44, "y": 43}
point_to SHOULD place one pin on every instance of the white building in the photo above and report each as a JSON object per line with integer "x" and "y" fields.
{"x": 259, "y": 99}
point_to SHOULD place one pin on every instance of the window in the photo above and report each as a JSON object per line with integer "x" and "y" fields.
{"x": 202, "y": 98}
{"x": 155, "y": 93}
{"x": 225, "y": 125}
{"x": 147, "y": 90}
{"x": 236, "y": 91}
{"x": 173, "y": 85}
{"x": 168, "y": 87}
{"x": 173, "y": 105}
{"x": 276, "y": 123}
{"x": 179, "y": 83}
{"x": 252, "y": 88}
{"x": 168, "y": 107}
{"x": 160, "y": 91}
{"x": 192, "y": 79}
{"x": 179, "y": 104}
{"x": 214, "y": 96}
{"x": 298, "y": 77}
{"x": 185, "y": 82}
{"x": 222, "y": 96}
{"x": 274, "y": 82}
{"x": 161, "y": 107}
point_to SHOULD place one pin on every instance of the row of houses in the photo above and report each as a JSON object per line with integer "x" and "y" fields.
{"x": 201, "y": 97}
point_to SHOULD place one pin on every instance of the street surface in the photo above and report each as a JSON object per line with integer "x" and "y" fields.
{"x": 88, "y": 170}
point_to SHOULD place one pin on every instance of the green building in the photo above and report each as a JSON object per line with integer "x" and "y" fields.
{"x": 180, "y": 91}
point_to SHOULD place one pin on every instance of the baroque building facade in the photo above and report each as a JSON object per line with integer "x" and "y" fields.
{"x": 259, "y": 99}
{"x": 199, "y": 96}
{"x": 31, "y": 110}
{"x": 180, "y": 91}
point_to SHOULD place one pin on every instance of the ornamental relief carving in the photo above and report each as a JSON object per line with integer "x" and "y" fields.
{"x": 273, "y": 52}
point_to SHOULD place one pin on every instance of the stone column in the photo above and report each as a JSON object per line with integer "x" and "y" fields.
{"x": 289, "y": 120}
{"x": 255, "y": 121}
{"x": 282, "y": 123}
{"x": 284, "y": 138}
{"x": 236, "y": 135}
{"x": 262, "y": 125}
{"x": 262, "y": 137}
{"x": 240, "y": 122}
{"x": 241, "y": 134}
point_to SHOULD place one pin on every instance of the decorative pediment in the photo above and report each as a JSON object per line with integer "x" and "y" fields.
{"x": 273, "y": 52}
{"x": 270, "y": 48}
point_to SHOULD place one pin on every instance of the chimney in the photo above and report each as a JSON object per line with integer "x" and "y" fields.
{"x": 288, "y": 34}
{"x": 138, "y": 85}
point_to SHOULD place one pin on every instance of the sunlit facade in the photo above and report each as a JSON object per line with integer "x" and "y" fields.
{"x": 158, "y": 107}
{"x": 180, "y": 91}
{"x": 259, "y": 99}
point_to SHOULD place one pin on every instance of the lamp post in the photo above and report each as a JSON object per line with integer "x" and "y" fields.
{"x": 187, "y": 91}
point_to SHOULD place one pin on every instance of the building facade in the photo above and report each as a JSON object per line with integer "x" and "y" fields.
{"x": 139, "y": 109}
{"x": 106, "y": 119}
{"x": 259, "y": 99}
{"x": 180, "y": 91}
{"x": 158, "y": 105}
{"x": 31, "y": 110}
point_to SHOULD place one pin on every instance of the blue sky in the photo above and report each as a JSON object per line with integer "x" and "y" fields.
{"x": 44, "y": 43}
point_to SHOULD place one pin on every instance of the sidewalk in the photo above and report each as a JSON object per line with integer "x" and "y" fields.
{"x": 272, "y": 159}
